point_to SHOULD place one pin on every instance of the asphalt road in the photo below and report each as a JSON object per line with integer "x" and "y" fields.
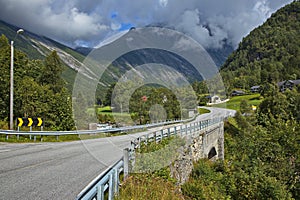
{"x": 62, "y": 170}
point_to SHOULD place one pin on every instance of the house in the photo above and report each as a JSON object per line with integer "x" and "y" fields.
{"x": 289, "y": 84}
{"x": 237, "y": 93}
{"x": 255, "y": 89}
{"x": 215, "y": 99}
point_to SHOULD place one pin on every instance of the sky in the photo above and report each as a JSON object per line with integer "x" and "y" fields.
{"x": 89, "y": 22}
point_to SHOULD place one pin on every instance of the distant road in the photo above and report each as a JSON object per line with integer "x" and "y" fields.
{"x": 62, "y": 170}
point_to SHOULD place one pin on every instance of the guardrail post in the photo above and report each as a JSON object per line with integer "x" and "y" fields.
{"x": 111, "y": 185}
{"x": 180, "y": 130}
{"x": 175, "y": 131}
{"x": 100, "y": 192}
{"x": 147, "y": 139}
{"x": 126, "y": 162}
{"x": 161, "y": 135}
{"x": 6, "y": 136}
{"x": 116, "y": 181}
{"x": 34, "y": 138}
{"x": 168, "y": 132}
{"x": 138, "y": 143}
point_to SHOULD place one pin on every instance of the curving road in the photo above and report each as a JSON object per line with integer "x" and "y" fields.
{"x": 62, "y": 170}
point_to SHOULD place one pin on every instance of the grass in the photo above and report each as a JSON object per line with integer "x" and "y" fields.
{"x": 234, "y": 102}
{"x": 106, "y": 109}
{"x": 203, "y": 111}
{"x": 147, "y": 186}
{"x": 152, "y": 185}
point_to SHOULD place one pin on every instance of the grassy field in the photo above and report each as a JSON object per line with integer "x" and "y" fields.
{"x": 234, "y": 102}
{"x": 203, "y": 111}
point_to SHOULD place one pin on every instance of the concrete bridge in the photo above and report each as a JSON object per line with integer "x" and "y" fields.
{"x": 62, "y": 170}
{"x": 195, "y": 140}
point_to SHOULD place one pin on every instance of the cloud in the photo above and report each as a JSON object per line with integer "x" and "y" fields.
{"x": 210, "y": 22}
{"x": 65, "y": 22}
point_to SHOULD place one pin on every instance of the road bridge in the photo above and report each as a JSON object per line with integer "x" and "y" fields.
{"x": 62, "y": 170}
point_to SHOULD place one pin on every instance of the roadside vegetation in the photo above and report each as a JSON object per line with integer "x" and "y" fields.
{"x": 150, "y": 184}
{"x": 261, "y": 155}
{"x": 261, "y": 159}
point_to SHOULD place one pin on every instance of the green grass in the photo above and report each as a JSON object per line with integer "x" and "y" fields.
{"x": 234, "y": 102}
{"x": 104, "y": 109}
{"x": 148, "y": 186}
{"x": 152, "y": 185}
{"x": 203, "y": 111}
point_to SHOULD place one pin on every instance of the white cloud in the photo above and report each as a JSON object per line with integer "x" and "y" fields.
{"x": 163, "y": 3}
{"x": 210, "y": 22}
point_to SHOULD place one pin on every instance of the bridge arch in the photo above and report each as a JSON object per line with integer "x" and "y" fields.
{"x": 212, "y": 153}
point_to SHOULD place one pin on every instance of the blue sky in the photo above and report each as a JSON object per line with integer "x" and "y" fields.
{"x": 89, "y": 22}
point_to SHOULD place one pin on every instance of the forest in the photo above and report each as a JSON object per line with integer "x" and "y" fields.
{"x": 269, "y": 54}
{"x": 261, "y": 155}
{"x": 39, "y": 90}
{"x": 262, "y": 147}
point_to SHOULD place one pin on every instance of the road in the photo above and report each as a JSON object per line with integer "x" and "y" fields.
{"x": 62, "y": 170}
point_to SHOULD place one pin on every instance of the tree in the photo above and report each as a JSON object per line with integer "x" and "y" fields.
{"x": 60, "y": 112}
{"x": 245, "y": 107}
{"x": 31, "y": 98}
{"x": 51, "y": 73}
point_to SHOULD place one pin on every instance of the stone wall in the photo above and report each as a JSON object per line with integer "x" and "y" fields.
{"x": 196, "y": 148}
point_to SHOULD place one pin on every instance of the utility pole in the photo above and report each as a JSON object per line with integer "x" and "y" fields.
{"x": 11, "y": 96}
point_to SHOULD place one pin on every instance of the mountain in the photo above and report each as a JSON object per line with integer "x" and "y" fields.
{"x": 270, "y": 53}
{"x": 37, "y": 47}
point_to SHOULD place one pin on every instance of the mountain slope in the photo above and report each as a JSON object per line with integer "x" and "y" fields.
{"x": 270, "y": 53}
{"x": 37, "y": 47}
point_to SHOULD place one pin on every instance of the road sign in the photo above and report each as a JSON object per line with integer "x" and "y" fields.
{"x": 29, "y": 121}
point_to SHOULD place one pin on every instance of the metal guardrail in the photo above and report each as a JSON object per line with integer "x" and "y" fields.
{"x": 82, "y": 132}
{"x": 110, "y": 179}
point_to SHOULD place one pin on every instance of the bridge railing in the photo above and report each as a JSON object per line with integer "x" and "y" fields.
{"x": 100, "y": 185}
{"x": 109, "y": 181}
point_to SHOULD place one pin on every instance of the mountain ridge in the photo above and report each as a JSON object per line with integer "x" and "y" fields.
{"x": 37, "y": 47}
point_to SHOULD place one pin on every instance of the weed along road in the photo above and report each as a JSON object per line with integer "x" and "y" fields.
{"x": 61, "y": 170}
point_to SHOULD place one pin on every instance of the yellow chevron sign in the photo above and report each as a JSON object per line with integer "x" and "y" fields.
{"x": 20, "y": 121}
{"x": 29, "y": 121}
{"x": 40, "y": 121}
